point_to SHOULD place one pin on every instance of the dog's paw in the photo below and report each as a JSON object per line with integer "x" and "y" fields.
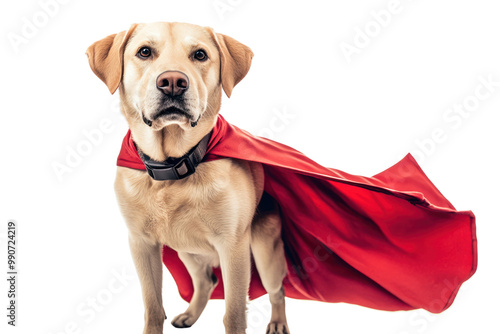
{"x": 277, "y": 328}
{"x": 184, "y": 320}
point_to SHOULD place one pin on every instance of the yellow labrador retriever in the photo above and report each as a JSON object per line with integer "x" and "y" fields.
{"x": 170, "y": 77}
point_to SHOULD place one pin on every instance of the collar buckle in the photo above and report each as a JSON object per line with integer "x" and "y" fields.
{"x": 184, "y": 168}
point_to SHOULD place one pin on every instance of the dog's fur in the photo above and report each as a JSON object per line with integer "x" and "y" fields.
{"x": 210, "y": 218}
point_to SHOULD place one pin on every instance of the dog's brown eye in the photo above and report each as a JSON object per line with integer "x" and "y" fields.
{"x": 144, "y": 52}
{"x": 200, "y": 55}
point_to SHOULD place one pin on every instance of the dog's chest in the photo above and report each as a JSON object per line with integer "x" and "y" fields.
{"x": 182, "y": 214}
{"x": 180, "y": 226}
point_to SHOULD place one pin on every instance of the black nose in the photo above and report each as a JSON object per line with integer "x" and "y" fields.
{"x": 172, "y": 83}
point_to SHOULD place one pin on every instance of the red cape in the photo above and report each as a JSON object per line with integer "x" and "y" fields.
{"x": 389, "y": 242}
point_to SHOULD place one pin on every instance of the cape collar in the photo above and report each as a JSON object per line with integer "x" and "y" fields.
{"x": 176, "y": 168}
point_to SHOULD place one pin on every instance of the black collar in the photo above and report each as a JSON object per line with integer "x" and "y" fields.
{"x": 176, "y": 168}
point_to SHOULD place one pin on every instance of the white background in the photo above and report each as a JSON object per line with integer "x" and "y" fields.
{"x": 360, "y": 116}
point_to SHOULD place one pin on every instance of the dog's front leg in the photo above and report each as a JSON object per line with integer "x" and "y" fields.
{"x": 147, "y": 260}
{"x": 235, "y": 266}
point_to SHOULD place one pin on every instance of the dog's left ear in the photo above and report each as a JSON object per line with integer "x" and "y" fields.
{"x": 235, "y": 60}
{"x": 106, "y": 58}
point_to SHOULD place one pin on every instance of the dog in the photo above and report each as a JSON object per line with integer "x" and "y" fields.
{"x": 170, "y": 77}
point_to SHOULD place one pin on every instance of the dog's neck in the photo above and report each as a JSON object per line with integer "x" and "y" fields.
{"x": 172, "y": 141}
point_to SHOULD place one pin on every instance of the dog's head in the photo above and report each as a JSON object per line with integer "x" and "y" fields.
{"x": 169, "y": 73}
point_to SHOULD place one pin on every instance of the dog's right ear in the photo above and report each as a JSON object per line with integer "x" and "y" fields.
{"x": 106, "y": 58}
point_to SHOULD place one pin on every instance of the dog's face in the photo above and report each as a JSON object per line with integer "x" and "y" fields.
{"x": 170, "y": 73}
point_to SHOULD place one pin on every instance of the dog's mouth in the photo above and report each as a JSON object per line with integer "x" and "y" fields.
{"x": 172, "y": 112}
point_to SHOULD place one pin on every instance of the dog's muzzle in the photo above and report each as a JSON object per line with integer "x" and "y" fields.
{"x": 173, "y": 85}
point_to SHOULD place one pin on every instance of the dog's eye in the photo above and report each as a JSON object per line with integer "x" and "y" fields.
{"x": 144, "y": 52}
{"x": 200, "y": 55}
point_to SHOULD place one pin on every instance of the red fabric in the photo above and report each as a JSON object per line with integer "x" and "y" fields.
{"x": 389, "y": 242}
